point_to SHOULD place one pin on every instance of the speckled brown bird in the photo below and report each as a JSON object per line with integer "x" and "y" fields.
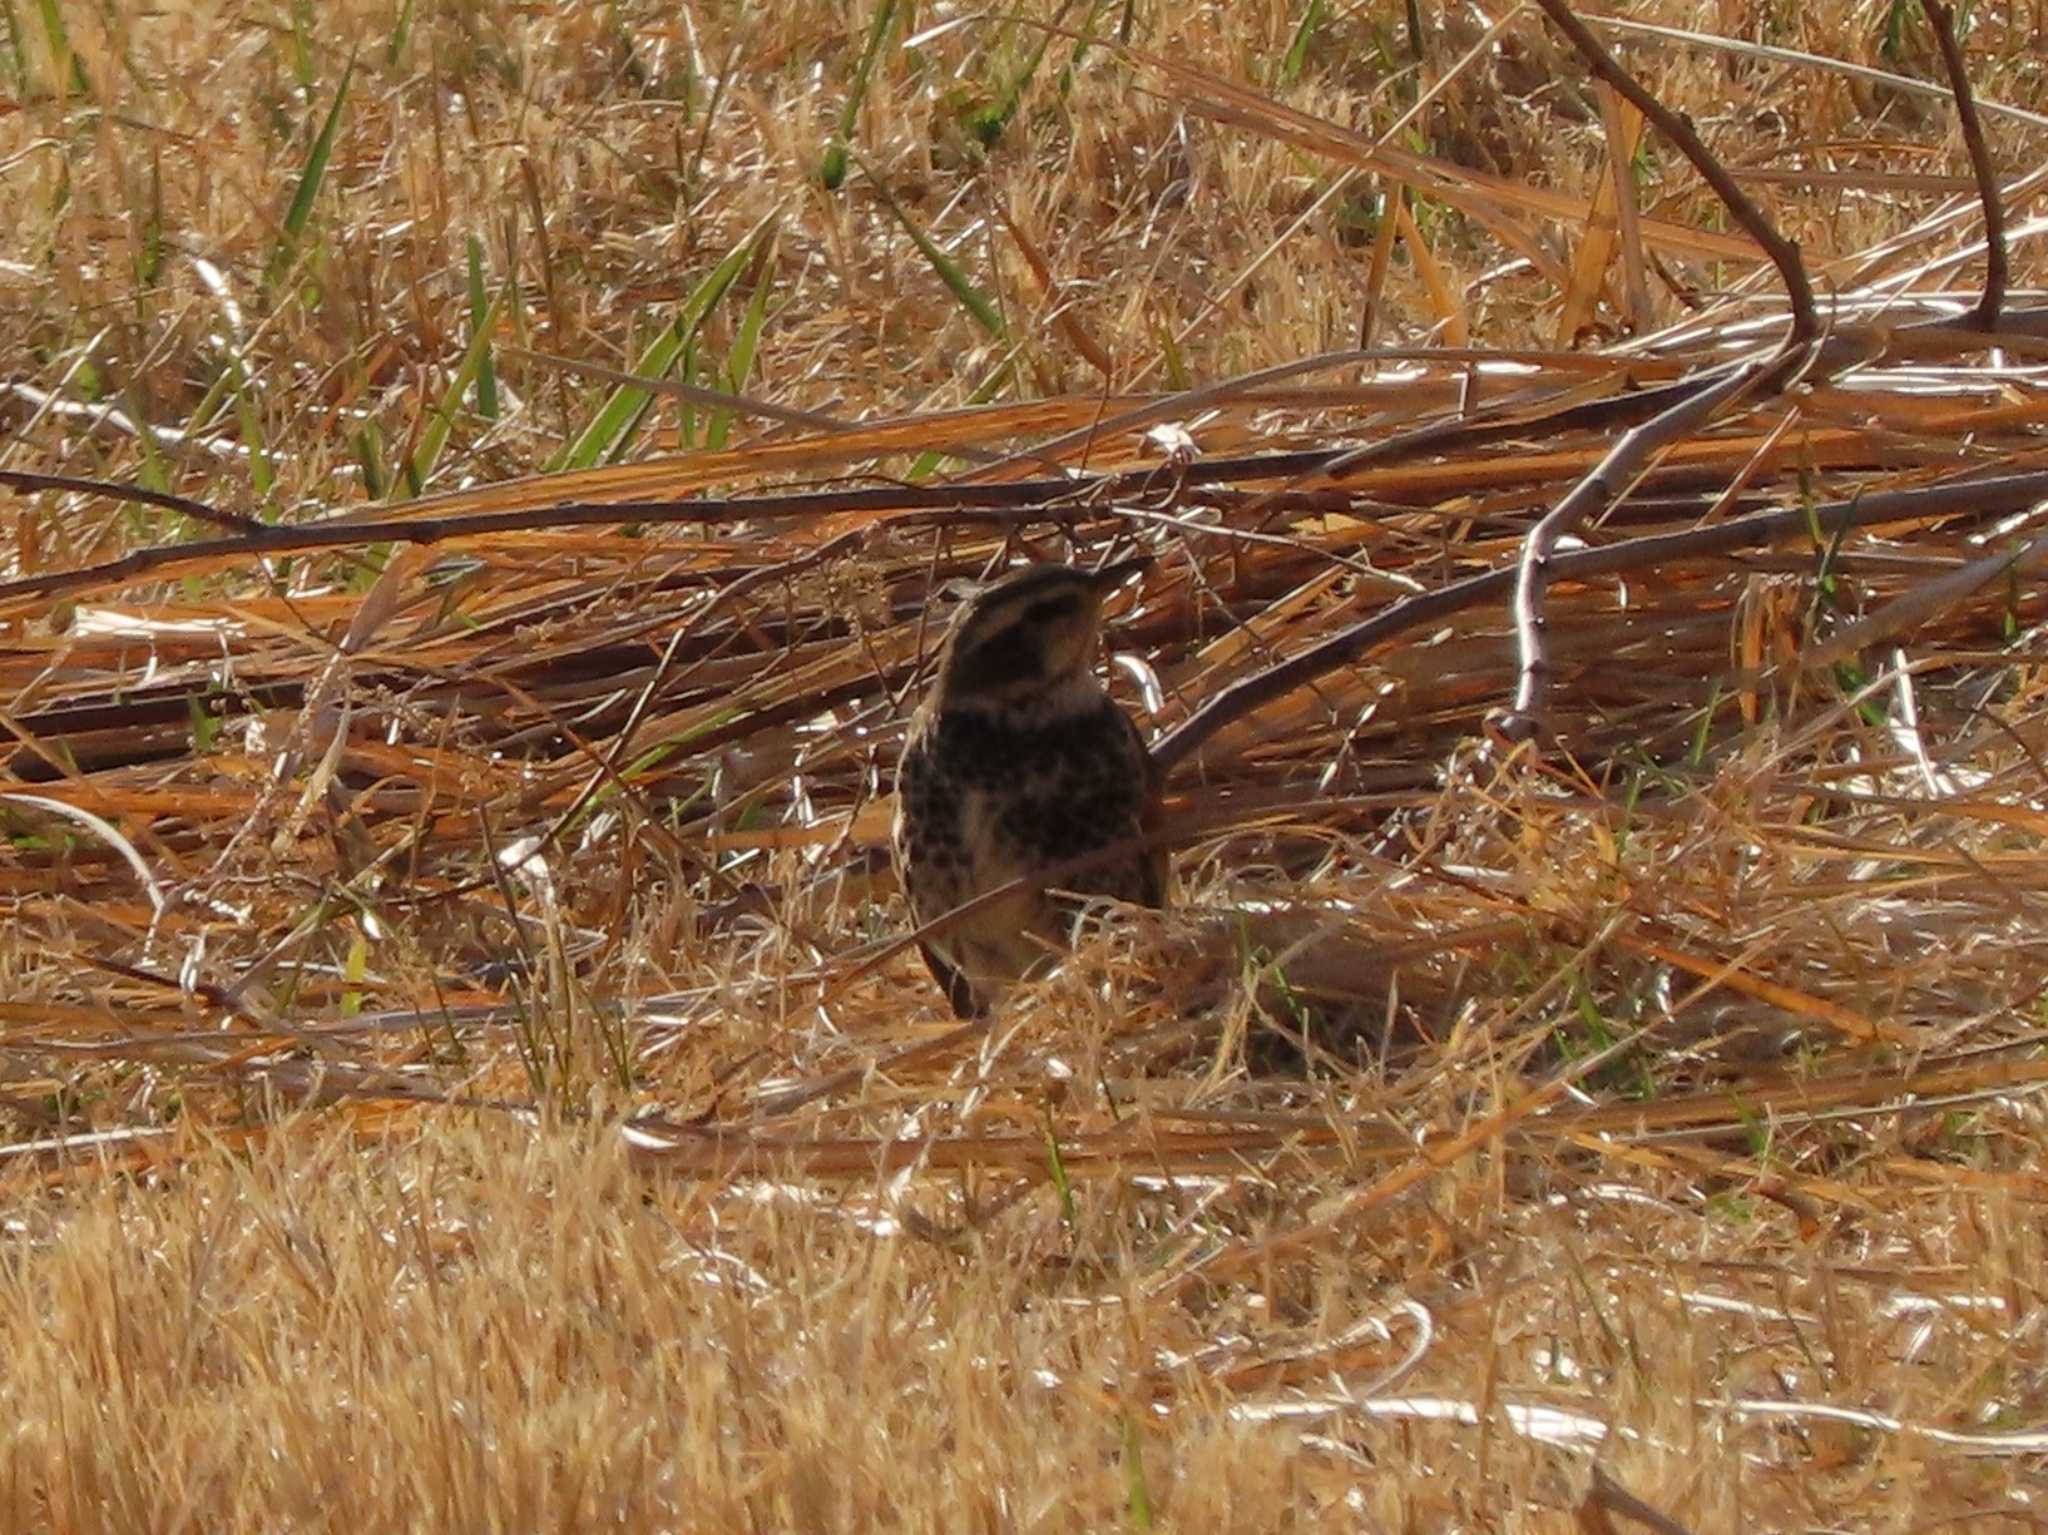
{"x": 1018, "y": 760}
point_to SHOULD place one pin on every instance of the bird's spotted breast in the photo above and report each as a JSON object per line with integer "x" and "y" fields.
{"x": 1033, "y": 794}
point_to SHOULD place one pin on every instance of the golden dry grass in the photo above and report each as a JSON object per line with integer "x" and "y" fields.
{"x": 454, "y": 1067}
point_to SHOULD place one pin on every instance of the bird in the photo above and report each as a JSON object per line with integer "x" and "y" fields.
{"x": 1017, "y": 763}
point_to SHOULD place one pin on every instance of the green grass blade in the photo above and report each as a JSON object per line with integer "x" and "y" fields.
{"x": 152, "y": 473}
{"x": 368, "y": 442}
{"x": 1057, "y": 1166}
{"x": 481, "y": 312}
{"x": 260, "y": 474}
{"x": 1304, "y": 35}
{"x": 1081, "y": 48}
{"x": 1892, "y": 49}
{"x": 1137, "y": 1495}
{"x": 740, "y": 365}
{"x": 428, "y": 450}
{"x": 833, "y": 172}
{"x": 301, "y": 210}
{"x": 206, "y": 725}
{"x": 149, "y": 254}
{"x": 232, "y": 384}
{"x": 972, "y": 299}
{"x": 202, "y": 414}
{"x": 354, "y": 972}
{"x": 616, "y": 420}
{"x": 67, "y": 72}
{"x": 987, "y": 125}
{"x": 1170, "y": 355}
{"x": 302, "y": 45}
{"x": 401, "y": 33}
{"x": 685, "y": 369}
{"x": 15, "y": 54}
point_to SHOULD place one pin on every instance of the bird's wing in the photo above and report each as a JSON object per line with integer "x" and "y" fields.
{"x": 914, "y": 765}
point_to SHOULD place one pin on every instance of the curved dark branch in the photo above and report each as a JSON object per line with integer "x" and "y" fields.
{"x": 1628, "y": 457}
{"x": 1783, "y": 253}
{"x": 1608, "y": 482}
{"x": 1942, "y": 19}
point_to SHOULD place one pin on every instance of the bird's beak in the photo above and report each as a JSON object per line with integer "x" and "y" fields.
{"x": 1110, "y": 577}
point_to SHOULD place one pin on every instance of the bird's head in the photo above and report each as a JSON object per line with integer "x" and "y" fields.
{"x": 1028, "y": 637}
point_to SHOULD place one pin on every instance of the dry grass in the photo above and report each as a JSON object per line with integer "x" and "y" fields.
{"x": 456, "y": 1066}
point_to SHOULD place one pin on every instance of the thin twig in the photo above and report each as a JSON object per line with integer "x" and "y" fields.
{"x": 162, "y": 558}
{"x": 25, "y": 480}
